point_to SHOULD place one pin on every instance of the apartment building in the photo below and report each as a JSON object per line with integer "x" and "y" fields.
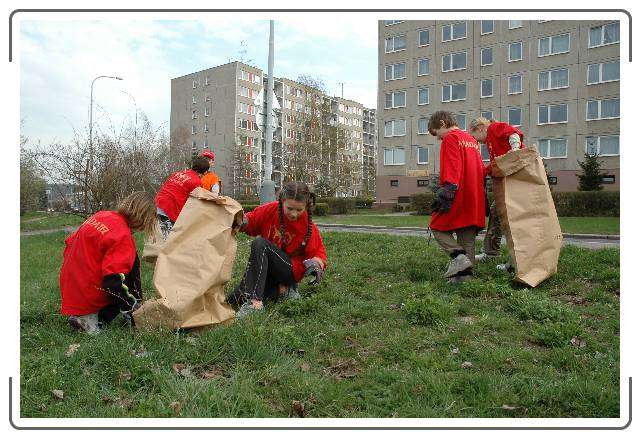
{"x": 215, "y": 109}
{"x": 559, "y": 81}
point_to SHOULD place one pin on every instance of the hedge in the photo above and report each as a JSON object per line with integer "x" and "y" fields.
{"x": 320, "y": 208}
{"x": 579, "y": 204}
{"x": 364, "y": 202}
{"x": 339, "y": 205}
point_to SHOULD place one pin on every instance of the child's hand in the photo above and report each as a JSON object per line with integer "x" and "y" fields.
{"x": 314, "y": 267}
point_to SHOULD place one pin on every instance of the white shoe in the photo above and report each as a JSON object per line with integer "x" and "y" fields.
{"x": 85, "y": 323}
{"x": 504, "y": 266}
{"x": 483, "y": 257}
{"x": 458, "y": 264}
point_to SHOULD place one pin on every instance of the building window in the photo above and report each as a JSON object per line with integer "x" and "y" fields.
{"x": 395, "y": 44}
{"x": 462, "y": 121}
{"x": 423, "y": 96}
{"x": 394, "y": 183}
{"x": 552, "y": 147}
{"x": 422, "y": 126}
{"x": 396, "y": 99}
{"x": 193, "y": 99}
{"x": 207, "y": 98}
{"x": 603, "y": 145}
{"x": 486, "y": 88}
{"x": 395, "y": 128}
{"x": 454, "y": 92}
{"x": 206, "y": 111}
{"x": 515, "y": 24}
{"x": 193, "y": 129}
{"x": 423, "y": 38}
{"x": 604, "y": 35}
{"x": 245, "y": 108}
{"x": 608, "y": 179}
{"x": 206, "y": 80}
{"x": 486, "y": 27}
{"x": 395, "y": 71}
{"x": 193, "y": 144}
{"x": 553, "y": 180}
{"x": 486, "y": 56}
{"x": 394, "y": 157}
{"x": 603, "y": 72}
{"x": 487, "y": 114}
{"x": 550, "y": 114}
{"x": 554, "y": 45}
{"x": 603, "y": 109}
{"x": 515, "y": 51}
{"x": 514, "y": 117}
{"x": 514, "y": 84}
{"x": 553, "y": 79}
{"x": 206, "y": 127}
{"x": 423, "y": 183}
{"x": 392, "y": 22}
{"x": 195, "y": 85}
{"x": 423, "y": 155}
{"x": 454, "y": 61}
{"x": 423, "y": 67}
{"x": 194, "y": 115}
{"x": 484, "y": 152}
{"x": 454, "y": 31}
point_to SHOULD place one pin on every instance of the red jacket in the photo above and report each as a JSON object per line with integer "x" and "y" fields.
{"x": 175, "y": 192}
{"x": 498, "y": 141}
{"x": 461, "y": 164}
{"x": 264, "y": 221}
{"x": 103, "y": 245}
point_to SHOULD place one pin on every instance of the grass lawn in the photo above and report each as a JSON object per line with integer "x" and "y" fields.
{"x": 580, "y": 225}
{"x": 33, "y": 221}
{"x": 382, "y": 336}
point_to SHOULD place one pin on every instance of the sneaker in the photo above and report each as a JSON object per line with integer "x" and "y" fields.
{"x": 459, "y": 279}
{"x": 85, "y": 323}
{"x": 291, "y": 294}
{"x": 483, "y": 257}
{"x": 504, "y": 267}
{"x": 247, "y": 309}
{"x": 459, "y": 264}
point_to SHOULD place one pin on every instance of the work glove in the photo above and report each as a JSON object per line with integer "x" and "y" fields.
{"x": 444, "y": 197}
{"x": 125, "y": 299}
{"x": 313, "y": 268}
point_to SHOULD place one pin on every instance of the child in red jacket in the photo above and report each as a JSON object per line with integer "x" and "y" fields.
{"x": 288, "y": 248}
{"x": 100, "y": 273}
{"x": 500, "y": 138}
{"x": 459, "y": 206}
{"x": 175, "y": 191}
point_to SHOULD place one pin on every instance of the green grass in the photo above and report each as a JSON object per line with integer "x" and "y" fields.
{"x": 33, "y": 221}
{"x": 579, "y": 225}
{"x": 382, "y": 336}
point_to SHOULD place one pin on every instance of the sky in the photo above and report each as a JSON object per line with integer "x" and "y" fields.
{"x": 59, "y": 59}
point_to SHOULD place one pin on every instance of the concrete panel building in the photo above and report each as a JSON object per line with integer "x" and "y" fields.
{"x": 559, "y": 81}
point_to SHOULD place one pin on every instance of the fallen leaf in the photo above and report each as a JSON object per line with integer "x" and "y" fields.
{"x": 58, "y": 393}
{"x": 344, "y": 369}
{"x": 577, "y": 341}
{"x": 71, "y": 350}
{"x": 125, "y": 376}
{"x": 466, "y": 365}
{"x": 298, "y": 408}
{"x": 305, "y": 367}
{"x": 181, "y": 369}
{"x": 211, "y": 372}
{"x": 176, "y": 406}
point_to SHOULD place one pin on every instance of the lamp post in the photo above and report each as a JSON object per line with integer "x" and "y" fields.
{"x": 267, "y": 188}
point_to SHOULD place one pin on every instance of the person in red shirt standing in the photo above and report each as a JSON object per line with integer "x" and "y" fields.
{"x": 100, "y": 273}
{"x": 288, "y": 248}
{"x": 500, "y": 138}
{"x": 175, "y": 191}
{"x": 459, "y": 205}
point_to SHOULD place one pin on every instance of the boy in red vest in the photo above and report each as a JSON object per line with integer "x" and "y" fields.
{"x": 500, "y": 138}
{"x": 175, "y": 191}
{"x": 459, "y": 205}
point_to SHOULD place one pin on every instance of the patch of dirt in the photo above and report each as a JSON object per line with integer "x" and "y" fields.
{"x": 576, "y": 300}
{"x": 343, "y": 369}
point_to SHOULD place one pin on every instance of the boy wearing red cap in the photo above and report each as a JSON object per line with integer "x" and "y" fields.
{"x": 210, "y": 180}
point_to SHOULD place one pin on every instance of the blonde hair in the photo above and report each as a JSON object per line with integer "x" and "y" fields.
{"x": 139, "y": 208}
{"x": 478, "y": 122}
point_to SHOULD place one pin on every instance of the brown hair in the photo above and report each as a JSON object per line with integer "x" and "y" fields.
{"x": 200, "y": 164}
{"x": 297, "y": 191}
{"x": 139, "y": 208}
{"x": 439, "y": 117}
{"x": 478, "y": 122}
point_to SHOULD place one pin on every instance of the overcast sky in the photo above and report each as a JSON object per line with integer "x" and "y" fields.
{"x": 59, "y": 59}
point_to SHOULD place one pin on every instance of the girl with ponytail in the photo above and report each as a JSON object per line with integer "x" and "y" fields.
{"x": 288, "y": 247}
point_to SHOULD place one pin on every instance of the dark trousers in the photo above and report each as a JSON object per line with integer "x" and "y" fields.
{"x": 493, "y": 237}
{"x": 133, "y": 283}
{"x": 268, "y": 267}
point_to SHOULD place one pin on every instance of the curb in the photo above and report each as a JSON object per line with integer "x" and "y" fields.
{"x": 426, "y": 230}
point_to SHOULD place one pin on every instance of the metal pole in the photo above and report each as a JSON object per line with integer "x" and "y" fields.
{"x": 267, "y": 189}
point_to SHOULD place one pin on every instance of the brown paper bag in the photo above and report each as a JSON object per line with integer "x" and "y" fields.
{"x": 194, "y": 264}
{"x": 527, "y": 214}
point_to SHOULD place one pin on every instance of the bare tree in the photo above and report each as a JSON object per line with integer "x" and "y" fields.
{"x": 32, "y": 185}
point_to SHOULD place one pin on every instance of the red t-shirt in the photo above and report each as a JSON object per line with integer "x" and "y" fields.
{"x": 264, "y": 221}
{"x": 497, "y": 141}
{"x": 175, "y": 191}
{"x": 461, "y": 164}
{"x": 103, "y": 245}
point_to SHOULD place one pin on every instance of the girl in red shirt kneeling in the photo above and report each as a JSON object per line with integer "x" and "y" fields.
{"x": 288, "y": 248}
{"x": 100, "y": 273}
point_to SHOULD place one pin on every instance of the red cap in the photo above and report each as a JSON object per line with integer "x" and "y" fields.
{"x": 208, "y": 154}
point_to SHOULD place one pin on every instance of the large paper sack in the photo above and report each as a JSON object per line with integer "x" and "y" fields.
{"x": 194, "y": 264}
{"x": 527, "y": 214}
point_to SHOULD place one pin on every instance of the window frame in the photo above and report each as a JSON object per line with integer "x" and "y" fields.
{"x": 450, "y": 55}
{"x": 393, "y": 121}
{"x": 586, "y": 139}
{"x": 418, "y": 155}
{"x": 393, "y": 38}
{"x": 393, "y": 67}
{"x": 482, "y": 49}
{"x": 586, "y": 108}
{"x": 450, "y": 25}
{"x": 486, "y": 111}
{"x": 548, "y": 139}
{"x": 509, "y": 116}
{"x": 451, "y": 92}
{"x": 481, "y": 90}
{"x": 600, "y": 71}
{"x": 393, "y": 105}
{"x": 428, "y": 96}
{"x": 493, "y": 27}
{"x": 428, "y": 38}
{"x": 509, "y": 92}
{"x": 428, "y": 67}
{"x": 549, "y": 105}
{"x": 509, "y": 51}
{"x": 514, "y": 27}
{"x": 549, "y": 73}
{"x": 393, "y": 22}
{"x": 550, "y": 38}
{"x": 603, "y": 44}
{"x": 393, "y": 149}
{"x": 426, "y": 132}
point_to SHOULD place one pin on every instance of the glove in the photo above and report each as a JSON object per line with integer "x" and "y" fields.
{"x": 313, "y": 268}
{"x": 444, "y": 197}
{"x": 125, "y": 299}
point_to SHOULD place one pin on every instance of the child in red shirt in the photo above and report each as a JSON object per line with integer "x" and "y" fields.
{"x": 500, "y": 138}
{"x": 288, "y": 247}
{"x": 100, "y": 273}
{"x": 175, "y": 191}
{"x": 459, "y": 205}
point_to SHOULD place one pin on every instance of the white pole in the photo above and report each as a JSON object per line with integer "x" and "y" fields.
{"x": 268, "y": 165}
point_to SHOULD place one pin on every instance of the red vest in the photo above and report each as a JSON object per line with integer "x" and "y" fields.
{"x": 461, "y": 164}
{"x": 175, "y": 192}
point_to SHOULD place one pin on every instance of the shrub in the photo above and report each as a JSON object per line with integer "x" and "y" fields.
{"x": 421, "y": 203}
{"x": 321, "y": 209}
{"x": 364, "y": 202}
{"x": 587, "y": 203}
{"x": 427, "y": 311}
{"x": 248, "y": 207}
{"x": 339, "y": 205}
